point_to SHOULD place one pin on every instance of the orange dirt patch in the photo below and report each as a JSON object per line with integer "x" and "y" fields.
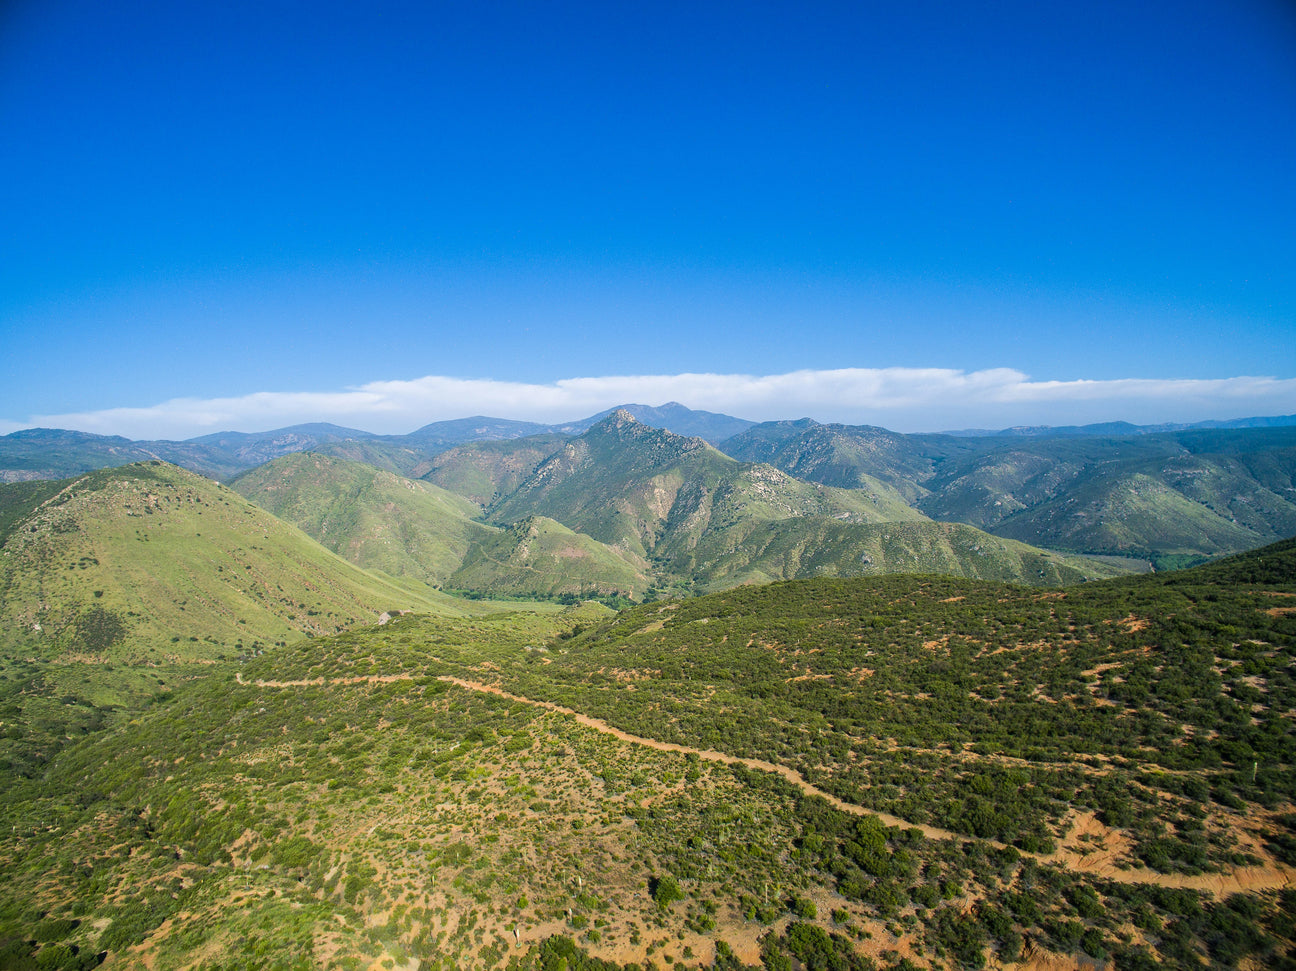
{"x": 1134, "y": 624}
{"x": 1099, "y": 669}
{"x": 1091, "y": 847}
{"x": 1036, "y": 958}
{"x": 630, "y": 674}
{"x": 571, "y": 553}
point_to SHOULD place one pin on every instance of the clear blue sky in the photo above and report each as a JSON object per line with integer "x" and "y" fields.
{"x": 212, "y": 199}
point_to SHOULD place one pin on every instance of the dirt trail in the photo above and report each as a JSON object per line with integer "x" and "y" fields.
{"x": 791, "y": 775}
{"x": 1081, "y": 859}
{"x": 320, "y": 682}
{"x": 1271, "y": 877}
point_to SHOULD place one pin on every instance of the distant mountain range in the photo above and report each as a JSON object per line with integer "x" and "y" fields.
{"x": 1172, "y": 497}
{"x": 652, "y": 484}
{"x": 624, "y": 508}
{"x": 51, "y": 453}
{"x": 1108, "y": 428}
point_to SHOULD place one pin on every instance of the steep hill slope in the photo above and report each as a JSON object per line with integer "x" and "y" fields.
{"x": 1172, "y": 496}
{"x": 1152, "y": 512}
{"x": 761, "y": 552}
{"x": 405, "y": 460}
{"x": 1194, "y": 493}
{"x": 487, "y": 472}
{"x": 18, "y": 499}
{"x": 646, "y": 490}
{"x": 382, "y": 521}
{"x": 542, "y": 557}
{"x": 376, "y": 519}
{"x": 128, "y": 561}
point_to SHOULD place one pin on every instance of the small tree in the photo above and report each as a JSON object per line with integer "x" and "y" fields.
{"x": 665, "y": 891}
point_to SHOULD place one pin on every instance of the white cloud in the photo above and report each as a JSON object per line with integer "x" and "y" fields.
{"x": 906, "y": 399}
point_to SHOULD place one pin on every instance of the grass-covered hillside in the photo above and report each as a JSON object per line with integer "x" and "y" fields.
{"x": 381, "y": 521}
{"x": 374, "y": 518}
{"x": 542, "y": 557}
{"x": 487, "y": 472}
{"x": 875, "y": 773}
{"x": 137, "y": 558}
{"x": 1175, "y": 497}
{"x": 120, "y": 586}
{"x": 762, "y": 551}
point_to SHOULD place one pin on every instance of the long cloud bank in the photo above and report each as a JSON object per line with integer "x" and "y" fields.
{"x": 905, "y": 399}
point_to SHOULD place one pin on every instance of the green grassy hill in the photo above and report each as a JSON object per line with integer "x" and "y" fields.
{"x": 403, "y": 459}
{"x": 381, "y": 521}
{"x": 761, "y": 552}
{"x": 374, "y": 518}
{"x": 748, "y": 526}
{"x": 149, "y": 556}
{"x": 537, "y": 556}
{"x": 120, "y": 586}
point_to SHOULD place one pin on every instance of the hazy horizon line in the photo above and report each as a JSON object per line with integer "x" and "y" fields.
{"x": 902, "y": 399}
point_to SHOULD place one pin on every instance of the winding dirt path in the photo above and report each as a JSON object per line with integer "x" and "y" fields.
{"x": 1272, "y": 876}
{"x": 791, "y": 775}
